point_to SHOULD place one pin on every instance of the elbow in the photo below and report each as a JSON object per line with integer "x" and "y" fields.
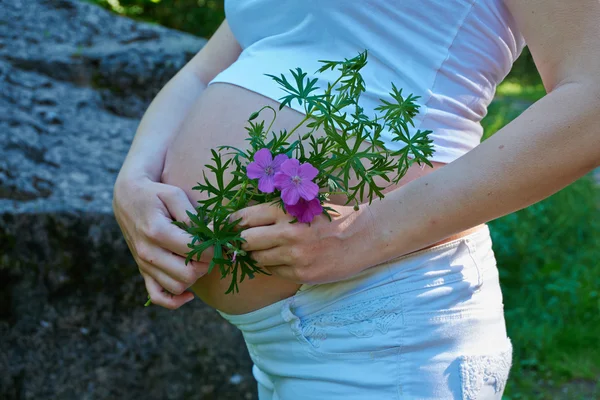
{"x": 582, "y": 84}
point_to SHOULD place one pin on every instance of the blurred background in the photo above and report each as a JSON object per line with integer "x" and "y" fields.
{"x": 75, "y": 77}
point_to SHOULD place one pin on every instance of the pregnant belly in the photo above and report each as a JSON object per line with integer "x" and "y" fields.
{"x": 218, "y": 118}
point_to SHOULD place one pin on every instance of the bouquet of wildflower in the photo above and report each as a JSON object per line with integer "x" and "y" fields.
{"x": 298, "y": 172}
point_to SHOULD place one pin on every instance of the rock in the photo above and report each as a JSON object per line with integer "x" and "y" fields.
{"x": 74, "y": 81}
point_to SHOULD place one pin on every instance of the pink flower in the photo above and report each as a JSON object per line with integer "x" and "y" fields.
{"x": 264, "y": 168}
{"x": 294, "y": 181}
{"x": 305, "y": 211}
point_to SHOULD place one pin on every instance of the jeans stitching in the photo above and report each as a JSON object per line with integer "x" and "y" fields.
{"x": 472, "y": 245}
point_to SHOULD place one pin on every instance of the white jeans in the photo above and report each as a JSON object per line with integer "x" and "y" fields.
{"x": 429, "y": 325}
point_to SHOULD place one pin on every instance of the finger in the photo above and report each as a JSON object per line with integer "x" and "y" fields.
{"x": 258, "y": 215}
{"x": 163, "y": 299}
{"x": 170, "y": 236}
{"x": 261, "y": 238}
{"x": 176, "y": 240}
{"x": 271, "y": 257}
{"x": 177, "y": 203}
{"x": 285, "y": 272}
{"x": 174, "y": 266}
{"x": 165, "y": 281}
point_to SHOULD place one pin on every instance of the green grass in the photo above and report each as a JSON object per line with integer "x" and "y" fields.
{"x": 510, "y": 101}
{"x": 549, "y": 260}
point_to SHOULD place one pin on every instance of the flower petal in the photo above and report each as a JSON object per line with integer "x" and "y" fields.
{"x": 290, "y": 195}
{"x": 305, "y": 218}
{"x": 298, "y": 209}
{"x": 254, "y": 171}
{"x": 281, "y": 180}
{"x": 263, "y": 157}
{"x": 279, "y": 159}
{"x": 305, "y": 211}
{"x": 266, "y": 185}
{"x": 307, "y": 171}
{"x": 308, "y": 190}
{"x": 290, "y": 167}
{"x": 315, "y": 207}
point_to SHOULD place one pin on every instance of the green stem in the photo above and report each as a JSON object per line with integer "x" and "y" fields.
{"x": 239, "y": 192}
{"x": 334, "y": 192}
{"x": 299, "y": 125}
{"x": 310, "y": 114}
{"x": 272, "y": 121}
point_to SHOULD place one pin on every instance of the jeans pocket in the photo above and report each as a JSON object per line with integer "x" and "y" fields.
{"x": 484, "y": 376}
{"x": 365, "y": 325}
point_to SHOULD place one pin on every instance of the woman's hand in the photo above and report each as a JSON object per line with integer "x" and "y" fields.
{"x": 145, "y": 210}
{"x": 324, "y": 251}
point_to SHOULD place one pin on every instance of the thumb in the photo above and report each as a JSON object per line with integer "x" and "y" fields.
{"x": 177, "y": 203}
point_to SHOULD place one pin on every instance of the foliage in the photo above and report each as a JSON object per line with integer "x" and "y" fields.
{"x": 350, "y": 148}
{"x": 524, "y": 70}
{"x": 199, "y": 17}
{"x": 511, "y": 99}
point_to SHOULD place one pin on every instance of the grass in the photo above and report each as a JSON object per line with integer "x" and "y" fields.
{"x": 510, "y": 101}
{"x": 550, "y": 274}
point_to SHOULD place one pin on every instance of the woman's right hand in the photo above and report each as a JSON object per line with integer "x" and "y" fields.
{"x": 145, "y": 210}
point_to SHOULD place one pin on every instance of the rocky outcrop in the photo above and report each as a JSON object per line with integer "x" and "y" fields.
{"x": 74, "y": 81}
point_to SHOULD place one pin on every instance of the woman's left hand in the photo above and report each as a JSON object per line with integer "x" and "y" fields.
{"x": 324, "y": 251}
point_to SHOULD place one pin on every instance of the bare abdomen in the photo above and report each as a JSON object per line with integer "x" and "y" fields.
{"x": 219, "y": 118}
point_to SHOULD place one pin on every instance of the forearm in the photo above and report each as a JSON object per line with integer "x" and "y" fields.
{"x": 553, "y": 143}
{"x": 171, "y": 106}
{"x": 161, "y": 122}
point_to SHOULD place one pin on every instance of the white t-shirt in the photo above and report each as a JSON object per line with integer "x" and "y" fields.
{"x": 451, "y": 53}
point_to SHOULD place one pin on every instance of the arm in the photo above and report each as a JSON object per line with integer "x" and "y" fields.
{"x": 168, "y": 110}
{"x": 553, "y": 143}
{"x": 144, "y": 207}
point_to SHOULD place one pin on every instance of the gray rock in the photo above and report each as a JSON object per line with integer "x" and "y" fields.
{"x": 74, "y": 81}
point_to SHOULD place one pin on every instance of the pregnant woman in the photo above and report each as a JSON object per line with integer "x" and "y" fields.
{"x": 400, "y": 299}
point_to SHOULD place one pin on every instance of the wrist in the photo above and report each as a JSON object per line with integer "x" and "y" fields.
{"x": 130, "y": 176}
{"x": 138, "y": 166}
{"x": 361, "y": 237}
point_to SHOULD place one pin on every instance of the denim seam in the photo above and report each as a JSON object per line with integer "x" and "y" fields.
{"x": 458, "y": 278}
{"x": 454, "y": 315}
{"x": 472, "y": 245}
{"x": 401, "y": 354}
